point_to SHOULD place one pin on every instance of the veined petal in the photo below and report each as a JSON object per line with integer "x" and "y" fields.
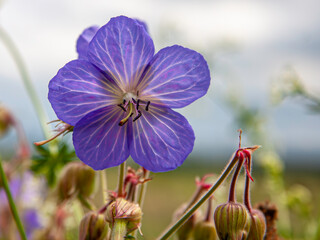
{"x": 162, "y": 139}
{"x": 122, "y": 48}
{"x": 84, "y": 40}
{"x": 79, "y": 88}
{"x": 98, "y": 139}
{"x": 176, "y": 77}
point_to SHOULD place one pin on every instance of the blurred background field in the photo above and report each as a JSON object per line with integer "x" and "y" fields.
{"x": 264, "y": 58}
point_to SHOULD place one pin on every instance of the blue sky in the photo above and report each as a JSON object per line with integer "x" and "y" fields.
{"x": 247, "y": 45}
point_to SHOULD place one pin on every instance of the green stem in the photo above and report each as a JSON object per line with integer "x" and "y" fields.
{"x": 122, "y": 168}
{"x": 143, "y": 190}
{"x": 11, "y": 203}
{"x": 205, "y": 197}
{"x": 103, "y": 185}
{"x": 119, "y": 229}
{"x": 86, "y": 203}
{"x": 8, "y": 42}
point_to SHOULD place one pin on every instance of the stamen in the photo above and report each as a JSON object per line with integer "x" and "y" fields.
{"x": 147, "y": 106}
{"x": 124, "y": 101}
{"x": 134, "y": 101}
{"x": 138, "y": 116}
{"x": 120, "y": 105}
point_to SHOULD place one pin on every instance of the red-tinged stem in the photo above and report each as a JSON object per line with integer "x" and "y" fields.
{"x": 232, "y": 197}
{"x": 247, "y": 201}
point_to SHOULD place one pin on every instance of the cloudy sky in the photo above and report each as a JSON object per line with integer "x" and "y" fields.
{"x": 247, "y": 45}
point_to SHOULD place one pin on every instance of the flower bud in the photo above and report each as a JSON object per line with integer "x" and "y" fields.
{"x": 258, "y": 225}
{"x": 205, "y": 230}
{"x": 85, "y": 180}
{"x": 5, "y": 120}
{"x": 76, "y": 179}
{"x": 92, "y": 226}
{"x": 231, "y": 220}
{"x": 126, "y": 210}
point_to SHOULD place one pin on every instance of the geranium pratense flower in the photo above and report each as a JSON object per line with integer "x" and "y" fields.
{"x": 118, "y": 96}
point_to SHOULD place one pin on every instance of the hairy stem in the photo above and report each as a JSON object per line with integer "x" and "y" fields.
{"x": 204, "y": 198}
{"x": 11, "y": 203}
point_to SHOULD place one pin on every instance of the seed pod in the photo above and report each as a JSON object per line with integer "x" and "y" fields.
{"x": 205, "y": 230}
{"x": 124, "y": 209}
{"x": 92, "y": 226}
{"x": 231, "y": 219}
{"x": 258, "y": 225}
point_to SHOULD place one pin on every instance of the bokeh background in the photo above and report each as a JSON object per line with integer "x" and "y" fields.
{"x": 264, "y": 58}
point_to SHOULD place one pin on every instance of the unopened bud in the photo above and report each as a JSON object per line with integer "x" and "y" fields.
{"x": 5, "y": 120}
{"x": 258, "y": 225}
{"x": 76, "y": 179}
{"x": 205, "y": 230}
{"x": 231, "y": 220}
{"x": 93, "y": 226}
{"x": 126, "y": 210}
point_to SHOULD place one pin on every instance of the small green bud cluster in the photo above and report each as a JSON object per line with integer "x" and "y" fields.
{"x": 77, "y": 179}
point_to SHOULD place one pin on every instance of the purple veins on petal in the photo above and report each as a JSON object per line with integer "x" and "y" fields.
{"x": 162, "y": 139}
{"x": 175, "y": 77}
{"x": 84, "y": 40}
{"x": 123, "y": 49}
{"x": 98, "y": 140}
{"x": 79, "y": 88}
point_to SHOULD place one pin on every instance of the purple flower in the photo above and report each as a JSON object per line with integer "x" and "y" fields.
{"x": 118, "y": 96}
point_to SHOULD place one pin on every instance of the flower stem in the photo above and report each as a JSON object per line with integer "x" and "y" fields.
{"x": 232, "y": 197}
{"x": 122, "y": 168}
{"x": 246, "y": 198}
{"x": 119, "y": 229}
{"x": 143, "y": 190}
{"x": 11, "y": 203}
{"x": 205, "y": 197}
{"x": 8, "y": 42}
{"x": 104, "y": 188}
{"x": 86, "y": 203}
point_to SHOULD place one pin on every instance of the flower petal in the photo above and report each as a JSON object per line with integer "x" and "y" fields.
{"x": 122, "y": 48}
{"x": 79, "y": 88}
{"x": 84, "y": 40}
{"x": 98, "y": 139}
{"x": 176, "y": 77}
{"x": 162, "y": 139}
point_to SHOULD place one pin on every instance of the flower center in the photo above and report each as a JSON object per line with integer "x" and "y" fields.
{"x": 130, "y": 105}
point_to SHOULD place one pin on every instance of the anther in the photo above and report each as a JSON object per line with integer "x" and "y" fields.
{"x": 120, "y": 105}
{"x": 124, "y": 101}
{"x": 138, "y": 104}
{"x": 134, "y": 101}
{"x": 147, "y": 106}
{"x": 138, "y": 116}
